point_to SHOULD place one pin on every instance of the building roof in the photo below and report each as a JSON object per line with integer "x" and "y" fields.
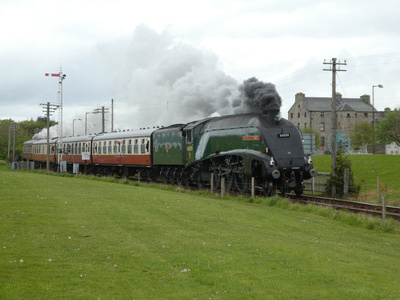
{"x": 345, "y": 104}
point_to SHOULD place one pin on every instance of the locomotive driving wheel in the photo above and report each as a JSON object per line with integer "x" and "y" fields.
{"x": 283, "y": 188}
{"x": 241, "y": 182}
{"x": 269, "y": 189}
{"x": 216, "y": 180}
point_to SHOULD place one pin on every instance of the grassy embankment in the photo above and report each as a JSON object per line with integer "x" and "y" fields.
{"x": 387, "y": 167}
{"x": 73, "y": 238}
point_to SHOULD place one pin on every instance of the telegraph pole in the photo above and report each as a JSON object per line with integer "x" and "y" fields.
{"x": 9, "y": 138}
{"x": 101, "y": 110}
{"x": 48, "y": 109}
{"x": 333, "y": 68}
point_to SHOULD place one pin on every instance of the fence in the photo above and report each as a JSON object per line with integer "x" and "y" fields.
{"x": 316, "y": 185}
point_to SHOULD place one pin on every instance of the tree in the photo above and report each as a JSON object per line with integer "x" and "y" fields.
{"x": 362, "y": 135}
{"x": 25, "y": 130}
{"x": 342, "y": 162}
{"x": 388, "y": 129}
{"x": 317, "y": 136}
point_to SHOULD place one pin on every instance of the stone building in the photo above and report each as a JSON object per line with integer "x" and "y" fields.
{"x": 316, "y": 113}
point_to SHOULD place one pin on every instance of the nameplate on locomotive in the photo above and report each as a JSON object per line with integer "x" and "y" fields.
{"x": 251, "y": 138}
{"x": 283, "y": 135}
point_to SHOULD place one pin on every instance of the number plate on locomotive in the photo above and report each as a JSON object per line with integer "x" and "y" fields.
{"x": 283, "y": 135}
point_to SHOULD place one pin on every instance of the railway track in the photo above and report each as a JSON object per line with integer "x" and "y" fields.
{"x": 352, "y": 206}
{"x": 356, "y": 207}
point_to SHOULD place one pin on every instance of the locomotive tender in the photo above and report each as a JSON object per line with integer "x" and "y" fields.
{"x": 235, "y": 147}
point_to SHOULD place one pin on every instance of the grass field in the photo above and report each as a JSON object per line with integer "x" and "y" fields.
{"x": 386, "y": 166}
{"x": 74, "y": 238}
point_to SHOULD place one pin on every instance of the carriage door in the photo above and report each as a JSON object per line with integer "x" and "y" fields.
{"x": 189, "y": 146}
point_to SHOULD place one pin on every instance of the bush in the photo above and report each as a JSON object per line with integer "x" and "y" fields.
{"x": 342, "y": 163}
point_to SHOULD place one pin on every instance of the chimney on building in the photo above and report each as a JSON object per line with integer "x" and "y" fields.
{"x": 299, "y": 97}
{"x": 366, "y": 99}
{"x": 339, "y": 97}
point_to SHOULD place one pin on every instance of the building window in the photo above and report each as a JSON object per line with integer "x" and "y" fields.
{"x": 348, "y": 115}
{"x": 305, "y": 125}
{"x": 322, "y": 141}
{"x": 322, "y": 127}
{"x": 365, "y": 115}
{"x": 291, "y": 115}
{"x": 322, "y": 114}
{"x": 305, "y": 115}
{"x": 298, "y": 115}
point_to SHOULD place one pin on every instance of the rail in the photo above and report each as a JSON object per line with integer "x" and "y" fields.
{"x": 357, "y": 207}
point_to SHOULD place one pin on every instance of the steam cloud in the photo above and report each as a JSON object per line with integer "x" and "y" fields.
{"x": 157, "y": 80}
{"x": 163, "y": 81}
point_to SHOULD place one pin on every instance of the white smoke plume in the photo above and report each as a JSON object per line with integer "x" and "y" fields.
{"x": 159, "y": 81}
{"x": 156, "y": 80}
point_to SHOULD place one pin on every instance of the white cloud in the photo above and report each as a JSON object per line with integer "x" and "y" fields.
{"x": 191, "y": 51}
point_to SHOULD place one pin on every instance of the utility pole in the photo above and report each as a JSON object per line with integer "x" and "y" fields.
{"x": 15, "y": 127}
{"x": 334, "y": 63}
{"x": 9, "y": 138}
{"x": 101, "y": 110}
{"x": 48, "y": 109}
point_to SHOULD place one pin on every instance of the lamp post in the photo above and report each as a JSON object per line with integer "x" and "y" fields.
{"x": 86, "y": 123}
{"x": 373, "y": 117}
{"x": 73, "y": 125}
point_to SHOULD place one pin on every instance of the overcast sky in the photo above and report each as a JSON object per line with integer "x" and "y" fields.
{"x": 175, "y": 61}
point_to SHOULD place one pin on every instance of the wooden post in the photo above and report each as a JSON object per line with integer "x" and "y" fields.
{"x": 346, "y": 182}
{"x": 312, "y": 185}
{"x": 212, "y": 182}
{"x": 384, "y": 207}
{"x": 139, "y": 177}
{"x": 222, "y": 186}
{"x": 379, "y": 188}
{"x": 252, "y": 187}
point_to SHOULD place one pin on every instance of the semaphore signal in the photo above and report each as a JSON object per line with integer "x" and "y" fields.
{"x": 61, "y": 78}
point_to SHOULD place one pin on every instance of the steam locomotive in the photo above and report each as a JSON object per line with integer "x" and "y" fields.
{"x": 237, "y": 148}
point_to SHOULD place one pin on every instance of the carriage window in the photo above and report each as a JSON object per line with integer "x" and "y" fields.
{"x": 99, "y": 149}
{"x": 115, "y": 146}
{"x": 142, "y": 146}
{"x": 79, "y": 148}
{"x": 109, "y": 147}
{"x": 130, "y": 147}
{"x": 123, "y": 147}
{"x": 136, "y": 147}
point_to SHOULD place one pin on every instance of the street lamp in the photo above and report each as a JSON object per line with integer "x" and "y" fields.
{"x": 86, "y": 123}
{"x": 73, "y": 125}
{"x": 373, "y": 117}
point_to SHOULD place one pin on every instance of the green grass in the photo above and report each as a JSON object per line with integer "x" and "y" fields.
{"x": 73, "y": 238}
{"x": 387, "y": 167}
